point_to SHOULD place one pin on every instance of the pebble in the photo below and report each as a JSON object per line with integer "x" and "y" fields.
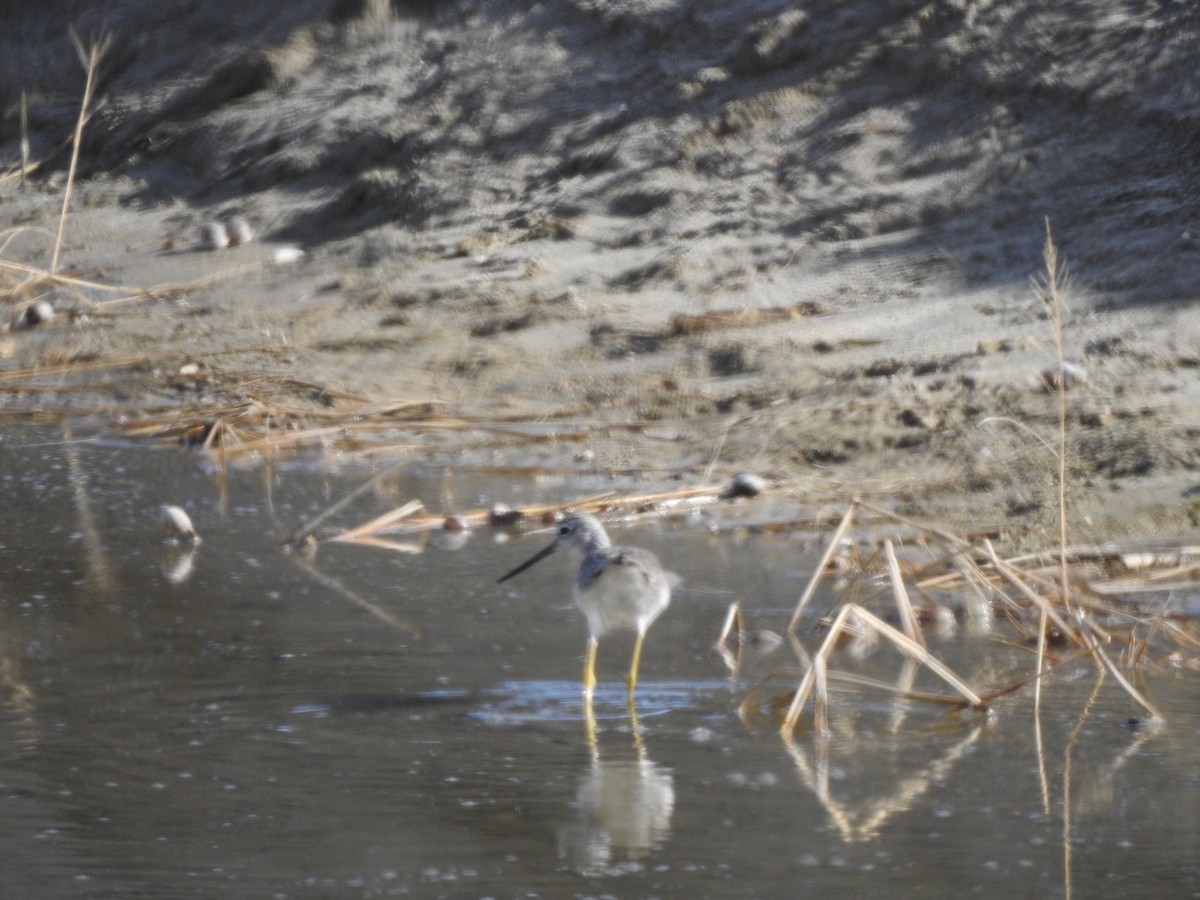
{"x": 285, "y": 255}
{"x": 179, "y": 524}
{"x": 213, "y": 236}
{"x": 1071, "y": 375}
{"x": 744, "y": 485}
{"x": 38, "y": 313}
{"x": 238, "y": 232}
{"x": 501, "y": 514}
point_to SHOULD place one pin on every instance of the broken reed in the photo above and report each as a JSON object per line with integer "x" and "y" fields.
{"x": 1021, "y": 590}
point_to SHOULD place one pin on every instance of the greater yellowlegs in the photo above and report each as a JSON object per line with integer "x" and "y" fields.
{"x": 617, "y": 588}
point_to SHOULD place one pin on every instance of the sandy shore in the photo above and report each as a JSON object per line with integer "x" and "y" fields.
{"x": 793, "y": 243}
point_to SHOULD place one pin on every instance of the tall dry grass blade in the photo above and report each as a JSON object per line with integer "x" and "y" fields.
{"x": 734, "y": 623}
{"x": 1014, "y": 578}
{"x": 1040, "y": 665}
{"x": 379, "y": 523}
{"x": 24, "y": 135}
{"x": 831, "y": 548}
{"x": 806, "y": 683}
{"x": 1122, "y": 680}
{"x": 274, "y": 442}
{"x": 903, "y": 604}
{"x": 733, "y": 620}
{"x": 413, "y": 548}
{"x": 906, "y": 645}
{"x": 90, "y": 58}
{"x": 1054, "y": 296}
{"x": 902, "y": 689}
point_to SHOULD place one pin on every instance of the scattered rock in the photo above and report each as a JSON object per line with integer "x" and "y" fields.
{"x": 913, "y": 418}
{"x": 744, "y": 484}
{"x": 1071, "y": 375}
{"x": 178, "y": 524}
{"x": 284, "y": 255}
{"x": 501, "y": 515}
{"x": 455, "y": 523}
{"x": 213, "y": 236}
{"x": 37, "y": 313}
{"x": 238, "y": 232}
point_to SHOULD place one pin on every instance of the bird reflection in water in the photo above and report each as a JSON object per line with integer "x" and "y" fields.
{"x": 623, "y": 805}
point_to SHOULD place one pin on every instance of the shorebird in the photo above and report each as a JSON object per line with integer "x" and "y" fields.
{"x": 617, "y": 588}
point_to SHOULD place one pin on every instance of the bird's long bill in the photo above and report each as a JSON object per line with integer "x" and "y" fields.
{"x": 536, "y": 558}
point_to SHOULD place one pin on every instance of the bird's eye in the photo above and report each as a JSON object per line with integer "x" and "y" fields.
{"x": 564, "y": 530}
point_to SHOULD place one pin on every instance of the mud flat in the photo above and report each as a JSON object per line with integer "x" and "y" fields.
{"x": 682, "y": 240}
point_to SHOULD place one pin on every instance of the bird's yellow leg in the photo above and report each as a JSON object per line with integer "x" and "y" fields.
{"x": 633, "y": 665}
{"x": 635, "y": 728}
{"x": 589, "y": 668}
{"x": 589, "y": 727}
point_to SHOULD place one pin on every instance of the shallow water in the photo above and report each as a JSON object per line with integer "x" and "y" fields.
{"x": 243, "y": 722}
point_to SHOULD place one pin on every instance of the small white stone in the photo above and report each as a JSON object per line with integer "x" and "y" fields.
{"x": 745, "y": 485}
{"x": 213, "y": 236}
{"x": 179, "y": 524}
{"x": 39, "y": 313}
{"x": 238, "y": 231}
{"x": 284, "y": 255}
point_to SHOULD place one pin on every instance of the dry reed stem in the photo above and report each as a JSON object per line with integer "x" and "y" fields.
{"x": 1055, "y": 299}
{"x": 1084, "y": 637}
{"x": 1014, "y": 577}
{"x": 747, "y": 317}
{"x": 814, "y": 682}
{"x": 35, "y": 275}
{"x": 920, "y": 654}
{"x": 380, "y": 523}
{"x": 804, "y": 689}
{"x": 411, "y": 547}
{"x": 605, "y": 502}
{"x": 819, "y": 571}
{"x": 1124, "y": 682}
{"x": 90, "y": 59}
{"x": 903, "y": 604}
{"x": 733, "y": 622}
{"x": 24, "y": 135}
{"x": 899, "y": 690}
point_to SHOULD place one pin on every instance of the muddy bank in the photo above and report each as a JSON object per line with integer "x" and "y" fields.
{"x": 789, "y": 239}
